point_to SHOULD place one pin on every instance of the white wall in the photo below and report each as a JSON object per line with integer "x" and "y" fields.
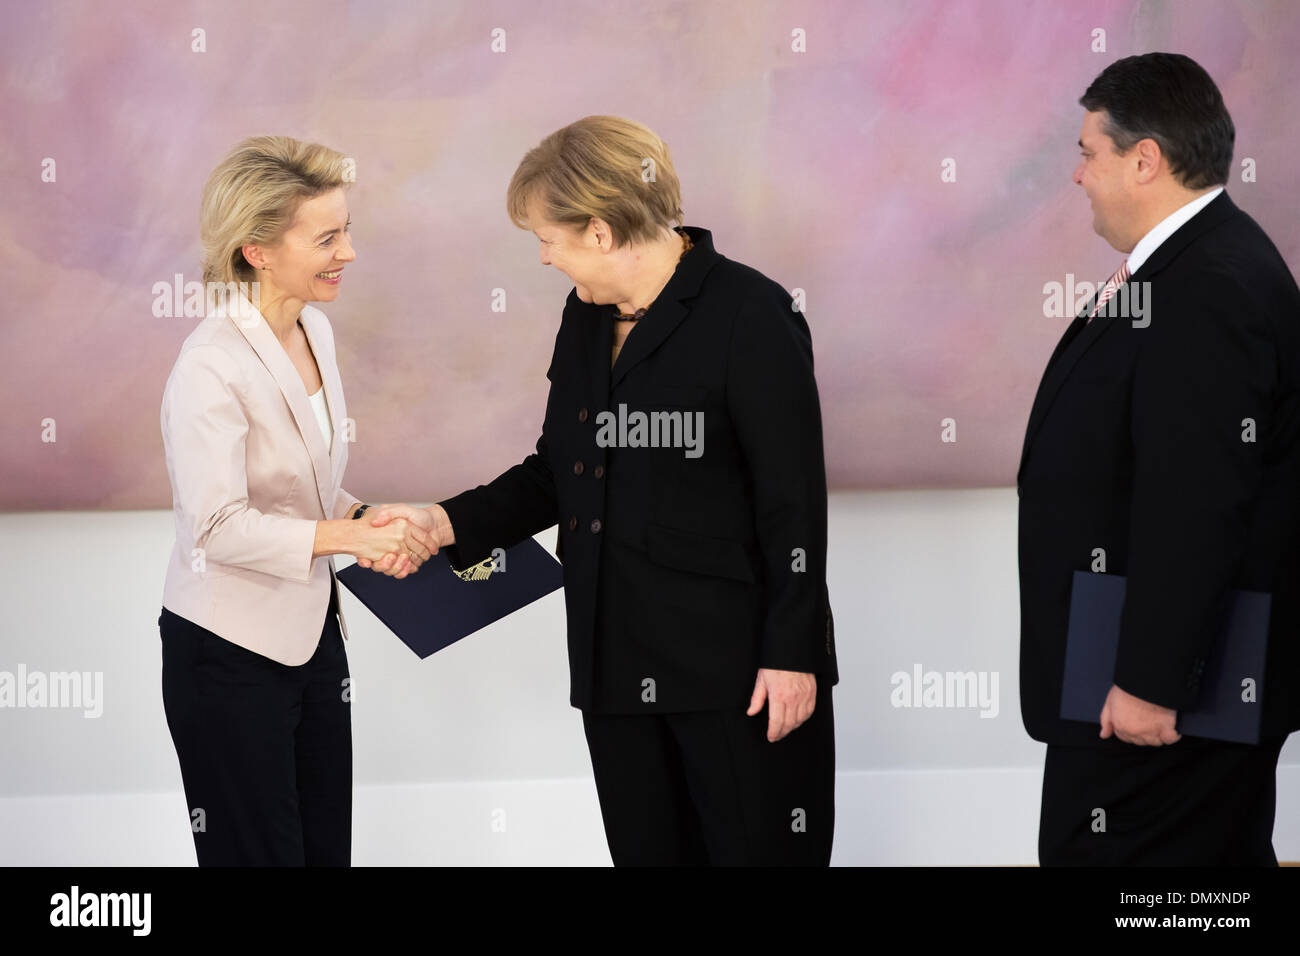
{"x": 442, "y": 746}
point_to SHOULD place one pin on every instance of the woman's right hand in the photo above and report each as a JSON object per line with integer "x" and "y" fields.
{"x": 431, "y": 526}
{"x": 398, "y": 536}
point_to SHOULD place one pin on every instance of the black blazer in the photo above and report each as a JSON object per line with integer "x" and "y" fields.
{"x": 1135, "y": 446}
{"x": 682, "y": 575}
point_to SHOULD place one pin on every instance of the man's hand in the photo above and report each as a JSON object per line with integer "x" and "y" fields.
{"x": 1136, "y": 721}
{"x": 790, "y": 695}
{"x": 431, "y": 525}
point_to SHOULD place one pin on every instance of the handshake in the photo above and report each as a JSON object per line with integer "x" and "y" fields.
{"x": 396, "y": 539}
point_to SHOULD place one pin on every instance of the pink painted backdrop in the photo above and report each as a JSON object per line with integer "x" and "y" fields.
{"x": 821, "y": 168}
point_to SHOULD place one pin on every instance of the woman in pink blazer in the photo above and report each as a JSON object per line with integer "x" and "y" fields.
{"x": 255, "y": 677}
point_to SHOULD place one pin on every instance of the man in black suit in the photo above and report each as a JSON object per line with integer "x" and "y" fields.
{"x": 681, "y": 454}
{"x": 1164, "y": 445}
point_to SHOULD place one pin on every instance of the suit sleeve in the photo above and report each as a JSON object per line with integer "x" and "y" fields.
{"x": 1205, "y": 373}
{"x": 774, "y": 408}
{"x": 204, "y": 433}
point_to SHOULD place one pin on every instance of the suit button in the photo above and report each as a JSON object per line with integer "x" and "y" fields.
{"x": 595, "y": 526}
{"x": 573, "y": 523}
{"x": 577, "y": 467}
{"x": 600, "y": 471}
{"x": 582, "y": 414}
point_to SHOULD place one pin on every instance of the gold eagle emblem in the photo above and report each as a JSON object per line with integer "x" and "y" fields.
{"x": 477, "y": 572}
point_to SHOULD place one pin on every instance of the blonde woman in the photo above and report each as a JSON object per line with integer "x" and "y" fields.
{"x": 701, "y": 648}
{"x": 254, "y": 673}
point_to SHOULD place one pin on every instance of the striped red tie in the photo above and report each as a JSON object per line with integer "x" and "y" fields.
{"x": 1115, "y": 281}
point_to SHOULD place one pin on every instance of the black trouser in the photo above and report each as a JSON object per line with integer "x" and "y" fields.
{"x": 708, "y": 788}
{"x": 1198, "y": 802}
{"x": 265, "y": 749}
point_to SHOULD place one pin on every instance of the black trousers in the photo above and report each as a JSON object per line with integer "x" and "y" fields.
{"x": 707, "y": 787}
{"x": 1198, "y": 802}
{"x": 265, "y": 749}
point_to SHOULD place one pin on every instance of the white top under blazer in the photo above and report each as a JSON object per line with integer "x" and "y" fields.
{"x": 322, "y": 416}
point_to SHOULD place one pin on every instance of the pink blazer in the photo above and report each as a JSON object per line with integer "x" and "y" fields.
{"x": 250, "y": 477}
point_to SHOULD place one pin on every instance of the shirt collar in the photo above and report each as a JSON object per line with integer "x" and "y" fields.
{"x": 1167, "y": 227}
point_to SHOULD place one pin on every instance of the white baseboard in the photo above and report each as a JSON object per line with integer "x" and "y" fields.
{"x": 883, "y": 818}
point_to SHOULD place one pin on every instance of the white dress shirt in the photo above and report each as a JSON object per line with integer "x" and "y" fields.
{"x": 1167, "y": 227}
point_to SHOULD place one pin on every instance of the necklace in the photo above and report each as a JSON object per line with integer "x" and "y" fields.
{"x": 623, "y": 316}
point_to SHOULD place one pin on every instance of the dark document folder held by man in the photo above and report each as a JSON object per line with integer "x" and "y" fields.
{"x": 1228, "y": 707}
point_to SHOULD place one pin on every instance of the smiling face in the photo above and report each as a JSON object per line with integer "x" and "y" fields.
{"x": 307, "y": 263}
{"x": 575, "y": 252}
{"x": 1109, "y": 179}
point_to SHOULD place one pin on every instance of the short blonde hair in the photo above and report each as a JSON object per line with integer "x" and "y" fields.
{"x": 253, "y": 196}
{"x": 601, "y": 166}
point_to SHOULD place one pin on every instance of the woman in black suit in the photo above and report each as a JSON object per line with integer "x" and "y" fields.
{"x": 681, "y": 454}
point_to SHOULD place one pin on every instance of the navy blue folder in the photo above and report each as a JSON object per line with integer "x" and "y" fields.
{"x": 438, "y": 605}
{"x": 1092, "y": 644}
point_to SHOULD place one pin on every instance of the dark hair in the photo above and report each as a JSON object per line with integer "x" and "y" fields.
{"x": 1169, "y": 98}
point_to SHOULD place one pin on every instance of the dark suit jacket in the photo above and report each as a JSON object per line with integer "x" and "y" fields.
{"x": 683, "y": 571}
{"x": 1135, "y": 445}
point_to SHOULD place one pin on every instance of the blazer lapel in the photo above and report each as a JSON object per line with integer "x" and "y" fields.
{"x": 330, "y": 381}
{"x": 646, "y": 336}
{"x": 667, "y": 310}
{"x": 278, "y": 363}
